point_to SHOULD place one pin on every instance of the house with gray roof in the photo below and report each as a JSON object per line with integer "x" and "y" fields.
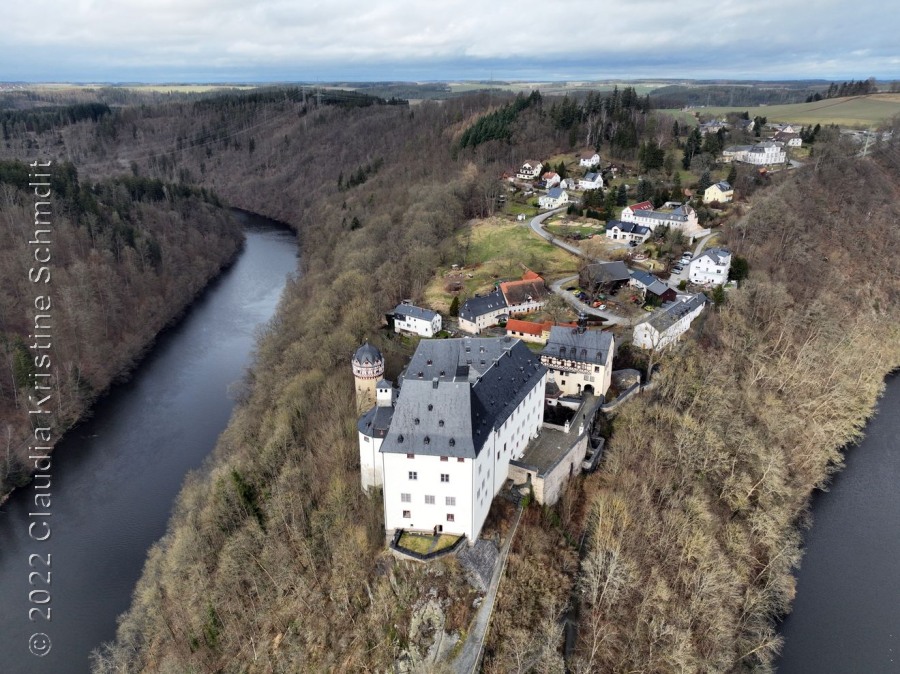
{"x": 579, "y": 360}
{"x": 591, "y": 181}
{"x": 465, "y": 408}
{"x": 554, "y": 198}
{"x": 416, "y": 320}
{"x": 483, "y": 311}
{"x": 664, "y": 327}
{"x": 711, "y": 267}
{"x": 617, "y": 230}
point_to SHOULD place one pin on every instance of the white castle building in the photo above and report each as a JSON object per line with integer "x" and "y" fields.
{"x": 441, "y": 447}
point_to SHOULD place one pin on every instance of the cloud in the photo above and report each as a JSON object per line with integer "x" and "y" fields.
{"x": 257, "y": 39}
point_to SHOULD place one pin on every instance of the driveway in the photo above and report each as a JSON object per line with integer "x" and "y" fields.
{"x": 558, "y": 288}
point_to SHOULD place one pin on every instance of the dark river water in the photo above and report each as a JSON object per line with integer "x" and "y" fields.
{"x": 115, "y": 477}
{"x": 846, "y": 616}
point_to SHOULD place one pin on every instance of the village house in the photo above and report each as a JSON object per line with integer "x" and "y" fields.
{"x": 663, "y": 328}
{"x": 721, "y": 192}
{"x": 626, "y": 231}
{"x": 713, "y": 126}
{"x": 554, "y": 198}
{"x": 465, "y": 409}
{"x": 590, "y": 162}
{"x": 482, "y": 311}
{"x": 673, "y": 215}
{"x": 415, "y": 320}
{"x": 629, "y": 212}
{"x": 551, "y": 179}
{"x": 746, "y": 125}
{"x": 710, "y": 267}
{"x": 524, "y": 296}
{"x": 604, "y": 277}
{"x": 652, "y": 288}
{"x": 761, "y": 154}
{"x": 789, "y": 139}
{"x": 579, "y": 360}
{"x": 591, "y": 181}
{"x": 530, "y": 170}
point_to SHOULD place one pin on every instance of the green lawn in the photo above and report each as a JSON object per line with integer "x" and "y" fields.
{"x": 421, "y": 543}
{"x": 498, "y": 250}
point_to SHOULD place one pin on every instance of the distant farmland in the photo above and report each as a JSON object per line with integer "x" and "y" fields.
{"x": 861, "y": 111}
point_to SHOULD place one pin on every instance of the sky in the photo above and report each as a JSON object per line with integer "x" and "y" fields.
{"x": 378, "y": 40}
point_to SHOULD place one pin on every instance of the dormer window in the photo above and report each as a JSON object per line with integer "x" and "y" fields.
{"x": 441, "y": 423}
{"x": 430, "y": 407}
{"x": 416, "y": 421}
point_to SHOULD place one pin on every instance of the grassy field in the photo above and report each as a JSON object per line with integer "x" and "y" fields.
{"x": 859, "y": 111}
{"x": 498, "y": 250}
{"x": 555, "y": 88}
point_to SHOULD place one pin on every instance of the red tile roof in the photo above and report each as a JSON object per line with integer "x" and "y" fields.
{"x": 643, "y": 206}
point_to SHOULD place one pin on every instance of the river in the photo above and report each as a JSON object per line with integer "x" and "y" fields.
{"x": 115, "y": 477}
{"x": 846, "y": 616}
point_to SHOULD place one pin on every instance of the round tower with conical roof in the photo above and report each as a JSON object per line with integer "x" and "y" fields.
{"x": 368, "y": 370}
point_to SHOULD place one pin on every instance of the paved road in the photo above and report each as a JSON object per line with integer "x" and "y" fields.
{"x": 537, "y": 225}
{"x": 557, "y": 287}
{"x": 470, "y": 653}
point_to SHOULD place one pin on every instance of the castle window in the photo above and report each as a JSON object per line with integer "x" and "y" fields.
{"x": 444, "y": 458}
{"x": 445, "y": 477}
{"x": 452, "y": 442}
{"x": 460, "y": 459}
{"x": 413, "y": 475}
{"x": 429, "y": 500}
{"x": 430, "y": 407}
{"x": 407, "y": 514}
{"x": 451, "y": 517}
{"x": 427, "y": 440}
{"x": 450, "y": 501}
{"x": 441, "y": 423}
{"x": 410, "y": 456}
{"x": 405, "y": 498}
{"x": 416, "y": 421}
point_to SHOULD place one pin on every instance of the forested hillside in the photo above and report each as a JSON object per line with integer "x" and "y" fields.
{"x": 126, "y": 256}
{"x": 274, "y": 559}
{"x": 693, "y": 531}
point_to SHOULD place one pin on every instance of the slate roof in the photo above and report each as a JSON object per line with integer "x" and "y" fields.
{"x": 518, "y": 292}
{"x": 658, "y": 288}
{"x": 555, "y": 192}
{"x": 457, "y": 391}
{"x": 608, "y": 272}
{"x": 584, "y": 346}
{"x": 723, "y": 185}
{"x": 367, "y": 354}
{"x": 645, "y": 278}
{"x": 717, "y": 255}
{"x": 665, "y": 318}
{"x": 590, "y": 177}
{"x": 376, "y": 422}
{"x": 413, "y": 311}
{"x": 628, "y": 227}
{"x": 481, "y": 305}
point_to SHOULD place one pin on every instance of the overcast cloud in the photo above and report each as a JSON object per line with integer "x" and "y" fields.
{"x": 229, "y": 40}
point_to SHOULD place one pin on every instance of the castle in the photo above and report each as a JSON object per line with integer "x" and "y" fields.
{"x": 466, "y": 417}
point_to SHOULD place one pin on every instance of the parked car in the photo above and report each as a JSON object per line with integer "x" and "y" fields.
{"x": 677, "y": 269}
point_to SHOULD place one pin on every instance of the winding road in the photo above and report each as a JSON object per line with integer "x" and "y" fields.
{"x": 557, "y": 286}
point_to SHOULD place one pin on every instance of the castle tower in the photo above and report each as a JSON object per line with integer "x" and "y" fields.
{"x": 368, "y": 369}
